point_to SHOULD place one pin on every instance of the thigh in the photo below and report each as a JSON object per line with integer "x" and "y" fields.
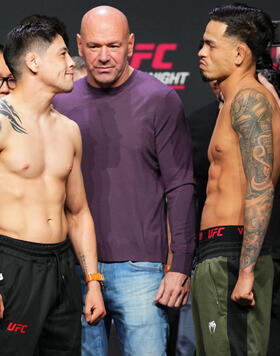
{"x": 141, "y": 324}
{"x": 258, "y": 319}
{"x": 22, "y": 288}
{"x": 186, "y": 336}
{"x": 61, "y": 334}
{"x": 209, "y": 304}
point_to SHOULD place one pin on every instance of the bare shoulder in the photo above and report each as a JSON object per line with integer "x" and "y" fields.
{"x": 70, "y": 126}
{"x": 10, "y": 122}
{"x": 251, "y": 105}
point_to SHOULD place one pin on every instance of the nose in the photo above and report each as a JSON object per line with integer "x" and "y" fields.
{"x": 71, "y": 63}
{"x": 202, "y": 51}
{"x": 104, "y": 54}
{"x": 5, "y": 90}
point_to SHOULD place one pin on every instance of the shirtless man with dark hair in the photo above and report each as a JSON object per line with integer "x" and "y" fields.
{"x": 232, "y": 285}
{"x": 42, "y": 201}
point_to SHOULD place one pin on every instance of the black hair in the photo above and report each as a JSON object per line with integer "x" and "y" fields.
{"x": 37, "y": 29}
{"x": 1, "y": 48}
{"x": 248, "y": 24}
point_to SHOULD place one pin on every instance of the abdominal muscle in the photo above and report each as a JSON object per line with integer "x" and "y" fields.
{"x": 224, "y": 204}
{"x": 33, "y": 209}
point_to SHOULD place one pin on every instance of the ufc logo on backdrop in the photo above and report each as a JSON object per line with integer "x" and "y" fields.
{"x": 155, "y": 54}
{"x": 151, "y": 51}
{"x": 17, "y": 328}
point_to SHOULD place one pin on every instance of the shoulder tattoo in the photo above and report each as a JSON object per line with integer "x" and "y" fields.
{"x": 15, "y": 121}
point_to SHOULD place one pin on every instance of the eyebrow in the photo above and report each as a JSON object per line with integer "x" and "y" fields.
{"x": 64, "y": 49}
{"x": 107, "y": 44}
{"x": 209, "y": 41}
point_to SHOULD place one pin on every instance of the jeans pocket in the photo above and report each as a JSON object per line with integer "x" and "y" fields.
{"x": 147, "y": 266}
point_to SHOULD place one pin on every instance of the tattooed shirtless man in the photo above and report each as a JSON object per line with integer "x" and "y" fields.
{"x": 232, "y": 286}
{"x": 42, "y": 201}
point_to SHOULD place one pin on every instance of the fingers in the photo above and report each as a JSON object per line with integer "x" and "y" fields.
{"x": 185, "y": 300}
{"x": 94, "y": 315}
{"x": 244, "y": 300}
{"x": 173, "y": 291}
{"x": 159, "y": 292}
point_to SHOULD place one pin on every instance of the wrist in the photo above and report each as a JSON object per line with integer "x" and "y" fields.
{"x": 93, "y": 278}
{"x": 93, "y": 285}
{"x": 246, "y": 272}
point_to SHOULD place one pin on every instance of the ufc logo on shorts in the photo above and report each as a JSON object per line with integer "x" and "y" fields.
{"x": 154, "y": 53}
{"x": 17, "y": 328}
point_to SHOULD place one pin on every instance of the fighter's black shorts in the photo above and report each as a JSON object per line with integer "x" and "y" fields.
{"x": 42, "y": 298}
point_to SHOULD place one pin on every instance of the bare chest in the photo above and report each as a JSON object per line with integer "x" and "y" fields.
{"x": 224, "y": 145}
{"x": 35, "y": 154}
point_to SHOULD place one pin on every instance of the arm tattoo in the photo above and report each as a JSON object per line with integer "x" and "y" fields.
{"x": 83, "y": 263}
{"x": 8, "y": 111}
{"x": 251, "y": 117}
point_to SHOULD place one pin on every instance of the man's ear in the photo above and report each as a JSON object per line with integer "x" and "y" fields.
{"x": 79, "y": 44}
{"x": 241, "y": 53}
{"x": 131, "y": 44}
{"x": 32, "y": 61}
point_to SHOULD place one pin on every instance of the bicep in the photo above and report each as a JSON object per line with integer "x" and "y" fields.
{"x": 251, "y": 117}
{"x": 75, "y": 192}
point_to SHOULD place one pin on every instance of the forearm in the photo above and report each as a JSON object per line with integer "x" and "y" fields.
{"x": 257, "y": 215}
{"x": 181, "y": 214}
{"x": 82, "y": 234}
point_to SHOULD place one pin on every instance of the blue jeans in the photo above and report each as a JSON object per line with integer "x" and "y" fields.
{"x": 141, "y": 324}
{"x": 186, "y": 335}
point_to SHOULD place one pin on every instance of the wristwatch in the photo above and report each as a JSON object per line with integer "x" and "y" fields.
{"x": 94, "y": 277}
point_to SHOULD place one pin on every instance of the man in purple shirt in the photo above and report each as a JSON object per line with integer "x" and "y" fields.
{"x": 137, "y": 156}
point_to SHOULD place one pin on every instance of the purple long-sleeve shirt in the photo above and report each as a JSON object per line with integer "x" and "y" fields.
{"x": 136, "y": 153}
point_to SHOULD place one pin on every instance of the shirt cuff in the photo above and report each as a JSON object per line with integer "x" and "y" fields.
{"x": 182, "y": 263}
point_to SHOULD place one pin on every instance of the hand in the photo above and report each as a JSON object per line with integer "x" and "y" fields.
{"x": 1, "y": 307}
{"x": 94, "y": 305}
{"x": 174, "y": 290}
{"x": 243, "y": 290}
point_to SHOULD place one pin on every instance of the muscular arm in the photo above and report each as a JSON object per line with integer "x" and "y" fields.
{"x": 251, "y": 117}
{"x": 82, "y": 234}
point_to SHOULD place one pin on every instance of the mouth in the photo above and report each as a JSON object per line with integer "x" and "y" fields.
{"x": 202, "y": 64}
{"x": 104, "y": 69}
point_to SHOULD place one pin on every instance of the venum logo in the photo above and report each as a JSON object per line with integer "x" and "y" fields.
{"x": 212, "y": 326}
{"x": 155, "y": 53}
